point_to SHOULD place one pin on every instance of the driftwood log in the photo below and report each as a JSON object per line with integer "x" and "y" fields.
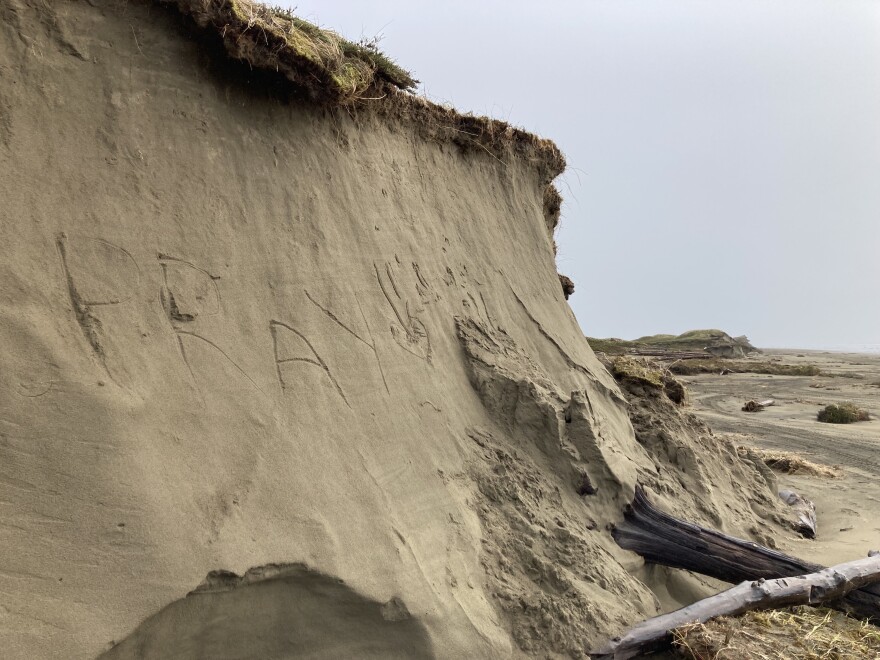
{"x": 805, "y": 511}
{"x": 827, "y": 584}
{"x": 757, "y": 406}
{"x": 663, "y": 539}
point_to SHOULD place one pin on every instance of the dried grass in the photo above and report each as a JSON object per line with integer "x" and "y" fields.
{"x": 790, "y": 463}
{"x": 800, "y": 633}
{"x": 639, "y": 371}
{"x": 643, "y": 372}
{"x": 321, "y": 62}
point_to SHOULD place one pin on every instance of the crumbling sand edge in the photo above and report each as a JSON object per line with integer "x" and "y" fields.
{"x": 353, "y": 82}
{"x": 326, "y": 67}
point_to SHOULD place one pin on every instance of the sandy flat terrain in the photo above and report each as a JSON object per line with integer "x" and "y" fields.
{"x": 848, "y": 507}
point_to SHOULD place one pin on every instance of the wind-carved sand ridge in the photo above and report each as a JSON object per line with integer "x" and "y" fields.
{"x": 248, "y": 332}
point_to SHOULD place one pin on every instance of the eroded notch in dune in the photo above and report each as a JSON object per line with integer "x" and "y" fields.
{"x": 275, "y": 612}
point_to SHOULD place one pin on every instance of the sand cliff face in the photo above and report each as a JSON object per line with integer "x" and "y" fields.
{"x": 319, "y": 359}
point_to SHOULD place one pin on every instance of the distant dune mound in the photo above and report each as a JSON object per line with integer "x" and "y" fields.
{"x": 714, "y": 342}
{"x": 269, "y": 318}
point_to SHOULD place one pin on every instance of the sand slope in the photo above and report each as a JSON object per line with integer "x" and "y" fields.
{"x": 239, "y": 332}
{"x": 848, "y": 507}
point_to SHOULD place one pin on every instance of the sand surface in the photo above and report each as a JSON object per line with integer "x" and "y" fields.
{"x": 848, "y": 507}
{"x": 321, "y": 367}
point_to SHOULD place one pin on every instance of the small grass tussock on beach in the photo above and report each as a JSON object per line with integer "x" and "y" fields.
{"x": 800, "y": 633}
{"x": 789, "y": 462}
{"x": 843, "y": 413}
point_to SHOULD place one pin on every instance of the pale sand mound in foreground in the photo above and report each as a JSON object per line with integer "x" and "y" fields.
{"x": 248, "y": 334}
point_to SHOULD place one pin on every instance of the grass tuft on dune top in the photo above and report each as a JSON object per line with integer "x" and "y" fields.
{"x": 330, "y": 68}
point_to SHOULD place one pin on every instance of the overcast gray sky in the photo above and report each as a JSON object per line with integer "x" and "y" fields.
{"x": 724, "y": 156}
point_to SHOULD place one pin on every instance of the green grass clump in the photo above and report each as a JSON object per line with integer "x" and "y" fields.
{"x": 843, "y": 413}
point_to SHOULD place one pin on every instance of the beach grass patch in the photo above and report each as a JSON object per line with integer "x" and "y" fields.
{"x": 800, "y": 633}
{"x": 843, "y": 413}
{"x": 789, "y": 462}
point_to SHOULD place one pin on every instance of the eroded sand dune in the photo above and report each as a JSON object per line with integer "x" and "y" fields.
{"x": 240, "y": 330}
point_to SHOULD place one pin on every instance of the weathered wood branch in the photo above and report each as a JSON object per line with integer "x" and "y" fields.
{"x": 827, "y": 584}
{"x": 805, "y": 511}
{"x": 663, "y": 539}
